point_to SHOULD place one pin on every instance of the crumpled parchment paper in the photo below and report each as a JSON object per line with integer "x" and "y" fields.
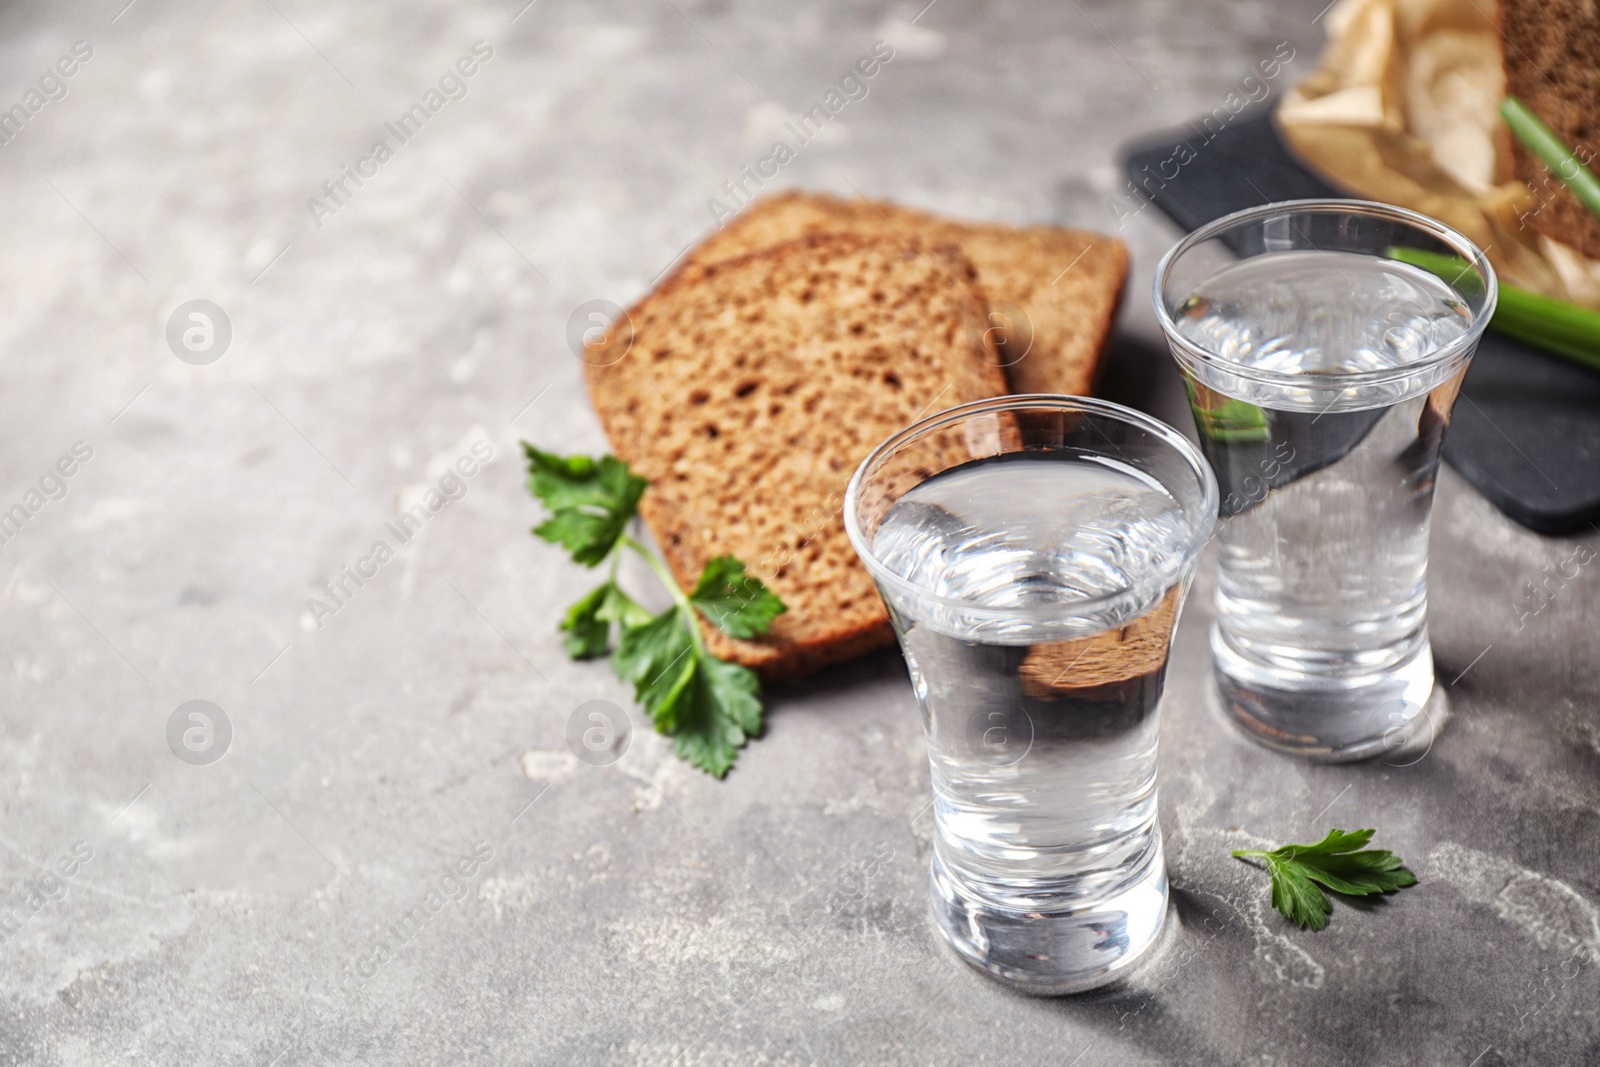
{"x": 1403, "y": 109}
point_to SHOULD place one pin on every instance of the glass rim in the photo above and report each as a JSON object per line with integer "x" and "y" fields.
{"x": 1446, "y": 235}
{"x": 1198, "y": 535}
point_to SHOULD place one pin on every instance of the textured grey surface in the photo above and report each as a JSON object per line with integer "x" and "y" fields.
{"x": 637, "y": 913}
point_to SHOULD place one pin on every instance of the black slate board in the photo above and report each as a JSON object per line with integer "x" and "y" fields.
{"x": 1526, "y": 428}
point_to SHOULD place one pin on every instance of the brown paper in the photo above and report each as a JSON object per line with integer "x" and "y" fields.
{"x": 1403, "y": 109}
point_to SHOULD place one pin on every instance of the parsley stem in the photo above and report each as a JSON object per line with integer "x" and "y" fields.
{"x": 685, "y": 609}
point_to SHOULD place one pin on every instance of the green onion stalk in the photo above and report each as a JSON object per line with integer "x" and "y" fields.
{"x": 1554, "y": 325}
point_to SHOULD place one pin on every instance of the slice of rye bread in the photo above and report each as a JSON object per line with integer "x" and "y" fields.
{"x": 1066, "y": 282}
{"x": 749, "y": 390}
{"x": 1552, "y": 60}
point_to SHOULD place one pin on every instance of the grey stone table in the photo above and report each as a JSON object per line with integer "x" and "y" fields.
{"x": 397, "y": 860}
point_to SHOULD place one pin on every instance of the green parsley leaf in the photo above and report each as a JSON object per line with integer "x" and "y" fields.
{"x": 621, "y": 609}
{"x": 560, "y": 481}
{"x": 1297, "y": 897}
{"x": 588, "y": 537}
{"x": 588, "y": 635}
{"x": 709, "y": 707}
{"x": 648, "y": 650}
{"x": 588, "y": 622}
{"x": 724, "y": 712}
{"x": 1339, "y": 862}
{"x": 660, "y": 659}
{"x": 736, "y": 692}
{"x": 670, "y": 694}
{"x": 734, "y": 602}
{"x": 590, "y": 501}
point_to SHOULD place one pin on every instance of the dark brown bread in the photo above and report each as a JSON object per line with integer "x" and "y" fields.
{"x": 1060, "y": 669}
{"x": 1066, "y": 282}
{"x": 1552, "y": 58}
{"x": 749, "y": 390}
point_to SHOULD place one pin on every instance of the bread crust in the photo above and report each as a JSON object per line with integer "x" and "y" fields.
{"x": 1067, "y": 283}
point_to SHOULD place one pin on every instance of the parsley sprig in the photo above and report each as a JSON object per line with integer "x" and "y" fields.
{"x": 1339, "y": 862}
{"x": 708, "y": 706}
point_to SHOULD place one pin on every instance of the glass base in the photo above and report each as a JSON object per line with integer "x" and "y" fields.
{"x": 1332, "y": 720}
{"x": 1053, "y": 952}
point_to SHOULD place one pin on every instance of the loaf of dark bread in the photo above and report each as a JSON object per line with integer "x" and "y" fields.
{"x": 1065, "y": 283}
{"x": 748, "y": 390}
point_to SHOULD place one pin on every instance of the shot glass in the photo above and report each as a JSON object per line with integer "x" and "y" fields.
{"x": 1323, "y": 344}
{"x": 1034, "y": 552}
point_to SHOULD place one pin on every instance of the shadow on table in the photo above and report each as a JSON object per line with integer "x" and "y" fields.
{"x": 1137, "y": 1009}
{"x": 1140, "y": 373}
{"x": 875, "y": 668}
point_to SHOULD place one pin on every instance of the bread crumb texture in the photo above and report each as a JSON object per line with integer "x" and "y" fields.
{"x": 750, "y": 389}
{"x": 1552, "y": 58}
{"x": 1065, "y": 283}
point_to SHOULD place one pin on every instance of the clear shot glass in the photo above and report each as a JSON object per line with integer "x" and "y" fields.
{"x": 1034, "y": 552}
{"x": 1323, "y": 344}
